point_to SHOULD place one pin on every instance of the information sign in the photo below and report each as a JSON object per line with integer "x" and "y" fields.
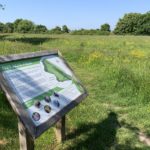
{"x": 41, "y": 88}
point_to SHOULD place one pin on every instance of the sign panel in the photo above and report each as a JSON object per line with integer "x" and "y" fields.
{"x": 45, "y": 88}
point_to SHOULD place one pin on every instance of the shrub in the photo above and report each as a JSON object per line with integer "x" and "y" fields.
{"x": 89, "y": 32}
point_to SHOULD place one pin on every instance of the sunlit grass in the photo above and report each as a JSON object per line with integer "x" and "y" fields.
{"x": 116, "y": 72}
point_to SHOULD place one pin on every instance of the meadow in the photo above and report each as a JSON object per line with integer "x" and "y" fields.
{"x": 116, "y": 72}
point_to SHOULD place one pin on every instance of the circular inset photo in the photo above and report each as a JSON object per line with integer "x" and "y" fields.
{"x": 47, "y": 99}
{"x": 56, "y": 94}
{"x": 37, "y": 104}
{"x": 36, "y": 116}
{"x": 47, "y": 108}
{"x": 56, "y": 103}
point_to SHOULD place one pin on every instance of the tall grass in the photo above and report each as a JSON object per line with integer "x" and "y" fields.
{"x": 116, "y": 73}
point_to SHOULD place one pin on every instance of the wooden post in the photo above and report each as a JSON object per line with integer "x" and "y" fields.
{"x": 60, "y": 130}
{"x": 26, "y": 141}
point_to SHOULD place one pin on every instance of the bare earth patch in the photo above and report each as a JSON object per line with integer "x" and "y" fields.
{"x": 3, "y": 142}
{"x": 143, "y": 138}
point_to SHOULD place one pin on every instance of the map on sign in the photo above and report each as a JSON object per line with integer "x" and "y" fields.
{"x": 44, "y": 85}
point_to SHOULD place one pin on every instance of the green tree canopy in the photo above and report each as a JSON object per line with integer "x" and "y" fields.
{"x": 40, "y": 29}
{"x": 65, "y": 29}
{"x": 16, "y": 22}
{"x": 25, "y": 26}
{"x": 56, "y": 30}
{"x": 1, "y": 27}
{"x": 8, "y": 27}
{"x": 128, "y": 24}
{"x": 105, "y": 27}
{"x": 143, "y": 26}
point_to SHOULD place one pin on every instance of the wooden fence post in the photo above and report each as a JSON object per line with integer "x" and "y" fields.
{"x": 25, "y": 139}
{"x": 60, "y": 130}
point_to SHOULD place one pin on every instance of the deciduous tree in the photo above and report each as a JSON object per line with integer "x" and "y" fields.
{"x": 40, "y": 29}
{"x": 143, "y": 26}
{"x": 8, "y": 28}
{"x": 128, "y": 24}
{"x": 1, "y": 27}
{"x": 65, "y": 29}
{"x": 105, "y": 27}
{"x": 25, "y": 26}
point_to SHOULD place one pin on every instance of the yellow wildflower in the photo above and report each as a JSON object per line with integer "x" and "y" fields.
{"x": 94, "y": 56}
{"x": 137, "y": 53}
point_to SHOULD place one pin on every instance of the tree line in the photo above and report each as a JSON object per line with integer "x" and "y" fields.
{"x": 131, "y": 23}
{"x": 27, "y": 26}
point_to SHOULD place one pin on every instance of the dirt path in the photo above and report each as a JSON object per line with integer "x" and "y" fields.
{"x": 143, "y": 138}
{"x": 3, "y": 142}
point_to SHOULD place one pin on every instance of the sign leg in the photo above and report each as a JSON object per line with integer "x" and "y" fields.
{"x": 26, "y": 141}
{"x": 60, "y": 130}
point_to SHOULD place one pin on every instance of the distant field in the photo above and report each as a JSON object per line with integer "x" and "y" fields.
{"x": 116, "y": 72}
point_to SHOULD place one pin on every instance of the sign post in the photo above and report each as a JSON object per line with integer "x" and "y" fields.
{"x": 60, "y": 130}
{"x": 42, "y": 89}
{"x": 25, "y": 139}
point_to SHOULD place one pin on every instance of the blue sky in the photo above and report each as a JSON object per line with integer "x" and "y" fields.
{"x": 74, "y": 13}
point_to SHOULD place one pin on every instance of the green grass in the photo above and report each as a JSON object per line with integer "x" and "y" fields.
{"x": 116, "y": 72}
